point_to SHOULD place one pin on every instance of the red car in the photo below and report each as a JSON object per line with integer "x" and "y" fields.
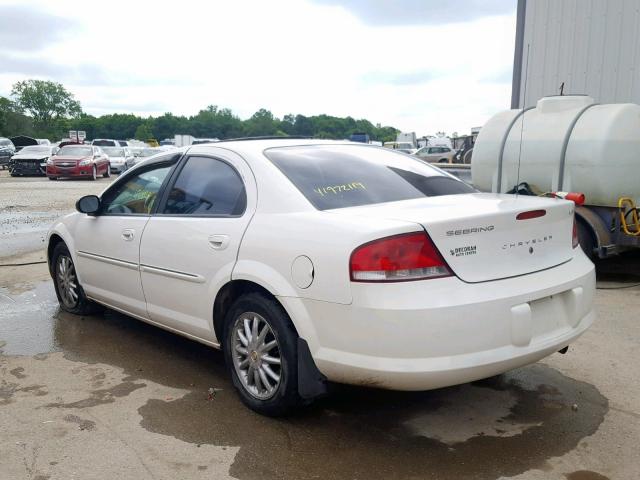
{"x": 84, "y": 161}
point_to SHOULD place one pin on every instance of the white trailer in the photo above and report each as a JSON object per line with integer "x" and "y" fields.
{"x": 408, "y": 137}
{"x": 183, "y": 140}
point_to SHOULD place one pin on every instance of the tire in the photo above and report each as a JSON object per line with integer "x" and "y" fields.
{"x": 94, "y": 173}
{"x": 53, "y": 178}
{"x": 80, "y": 305}
{"x": 586, "y": 239}
{"x": 284, "y": 396}
{"x": 107, "y": 174}
{"x": 443, "y": 160}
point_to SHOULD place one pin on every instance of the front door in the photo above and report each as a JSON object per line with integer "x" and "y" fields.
{"x": 108, "y": 245}
{"x": 189, "y": 247}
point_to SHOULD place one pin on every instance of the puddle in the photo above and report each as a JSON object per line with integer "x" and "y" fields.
{"x": 23, "y": 231}
{"x": 498, "y": 427}
{"x": 28, "y": 319}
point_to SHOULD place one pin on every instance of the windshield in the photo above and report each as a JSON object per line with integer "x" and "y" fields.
{"x": 5, "y": 142}
{"x": 36, "y": 150}
{"x": 346, "y": 176}
{"x": 75, "y": 151}
{"x": 113, "y": 151}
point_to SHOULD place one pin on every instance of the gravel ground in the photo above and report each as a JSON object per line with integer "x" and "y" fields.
{"x": 29, "y": 205}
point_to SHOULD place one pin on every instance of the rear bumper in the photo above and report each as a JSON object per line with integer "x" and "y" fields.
{"x": 435, "y": 333}
{"x": 54, "y": 171}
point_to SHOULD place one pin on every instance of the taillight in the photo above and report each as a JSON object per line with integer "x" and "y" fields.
{"x": 575, "y": 240}
{"x": 410, "y": 256}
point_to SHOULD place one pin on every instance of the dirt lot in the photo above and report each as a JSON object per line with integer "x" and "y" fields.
{"x": 109, "y": 397}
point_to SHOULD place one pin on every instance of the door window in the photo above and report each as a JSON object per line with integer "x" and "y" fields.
{"x": 138, "y": 194}
{"x": 207, "y": 186}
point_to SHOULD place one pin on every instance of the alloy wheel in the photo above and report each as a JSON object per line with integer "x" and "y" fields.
{"x": 67, "y": 281}
{"x": 256, "y": 355}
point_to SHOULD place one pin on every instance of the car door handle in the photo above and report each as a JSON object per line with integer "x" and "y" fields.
{"x": 128, "y": 234}
{"x": 218, "y": 242}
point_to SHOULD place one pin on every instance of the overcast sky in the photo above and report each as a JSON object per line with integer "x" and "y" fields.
{"x": 419, "y": 65}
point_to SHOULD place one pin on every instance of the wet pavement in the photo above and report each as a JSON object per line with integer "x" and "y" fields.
{"x": 29, "y": 206}
{"x": 104, "y": 396}
{"x": 495, "y": 428}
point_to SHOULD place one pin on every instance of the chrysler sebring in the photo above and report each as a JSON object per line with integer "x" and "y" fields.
{"x": 310, "y": 262}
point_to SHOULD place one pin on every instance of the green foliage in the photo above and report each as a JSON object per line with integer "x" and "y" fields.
{"x": 53, "y": 112}
{"x": 12, "y": 121}
{"x": 48, "y": 103}
{"x": 143, "y": 132}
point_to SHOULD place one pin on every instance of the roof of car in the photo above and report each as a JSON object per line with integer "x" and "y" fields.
{"x": 258, "y": 145}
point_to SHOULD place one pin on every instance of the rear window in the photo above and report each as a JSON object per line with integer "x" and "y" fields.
{"x": 104, "y": 143}
{"x": 347, "y": 175}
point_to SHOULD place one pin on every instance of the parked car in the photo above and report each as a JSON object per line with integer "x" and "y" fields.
{"x": 310, "y": 261}
{"x": 119, "y": 157}
{"x": 79, "y": 161}
{"x": 20, "y": 141}
{"x": 404, "y": 147}
{"x": 31, "y": 160}
{"x": 43, "y": 141}
{"x": 105, "y": 142}
{"x": 436, "y": 154}
{"x": 7, "y": 150}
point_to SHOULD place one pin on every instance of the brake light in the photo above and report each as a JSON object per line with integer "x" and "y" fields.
{"x": 411, "y": 256}
{"x": 575, "y": 241}
{"x": 531, "y": 214}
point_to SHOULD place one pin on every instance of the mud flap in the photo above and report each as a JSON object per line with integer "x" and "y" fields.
{"x": 311, "y": 383}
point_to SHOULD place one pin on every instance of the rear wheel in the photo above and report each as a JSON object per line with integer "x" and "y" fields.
{"x": 65, "y": 280}
{"x": 53, "y": 178}
{"x": 261, "y": 355}
{"x": 443, "y": 160}
{"x": 94, "y": 173}
{"x": 107, "y": 173}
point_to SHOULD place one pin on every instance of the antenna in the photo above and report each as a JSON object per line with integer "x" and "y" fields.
{"x": 524, "y": 102}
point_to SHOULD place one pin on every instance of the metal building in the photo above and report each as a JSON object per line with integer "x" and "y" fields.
{"x": 592, "y": 46}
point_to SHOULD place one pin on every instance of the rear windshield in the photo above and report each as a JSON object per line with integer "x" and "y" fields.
{"x": 339, "y": 176}
{"x": 104, "y": 143}
{"x": 113, "y": 151}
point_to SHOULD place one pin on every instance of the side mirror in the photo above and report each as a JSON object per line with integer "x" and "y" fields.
{"x": 89, "y": 204}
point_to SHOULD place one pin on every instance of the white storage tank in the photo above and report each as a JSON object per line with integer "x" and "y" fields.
{"x": 567, "y": 143}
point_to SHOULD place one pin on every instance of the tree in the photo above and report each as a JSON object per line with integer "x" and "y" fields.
{"x": 261, "y": 123}
{"x": 143, "y": 132}
{"x": 47, "y": 102}
{"x": 12, "y": 122}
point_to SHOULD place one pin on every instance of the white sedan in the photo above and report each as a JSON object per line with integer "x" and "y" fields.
{"x": 311, "y": 262}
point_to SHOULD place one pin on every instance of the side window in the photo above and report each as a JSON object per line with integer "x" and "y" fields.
{"x": 138, "y": 194}
{"x": 206, "y": 186}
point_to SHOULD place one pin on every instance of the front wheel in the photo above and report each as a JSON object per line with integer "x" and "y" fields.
{"x": 261, "y": 355}
{"x": 65, "y": 280}
{"x": 94, "y": 173}
{"x": 107, "y": 173}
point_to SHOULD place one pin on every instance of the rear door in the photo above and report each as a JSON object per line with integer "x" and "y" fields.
{"x": 189, "y": 248}
{"x": 108, "y": 245}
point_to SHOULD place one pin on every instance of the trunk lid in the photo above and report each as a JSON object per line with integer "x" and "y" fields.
{"x": 479, "y": 235}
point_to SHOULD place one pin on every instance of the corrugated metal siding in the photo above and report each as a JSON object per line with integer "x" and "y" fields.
{"x": 593, "y": 46}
